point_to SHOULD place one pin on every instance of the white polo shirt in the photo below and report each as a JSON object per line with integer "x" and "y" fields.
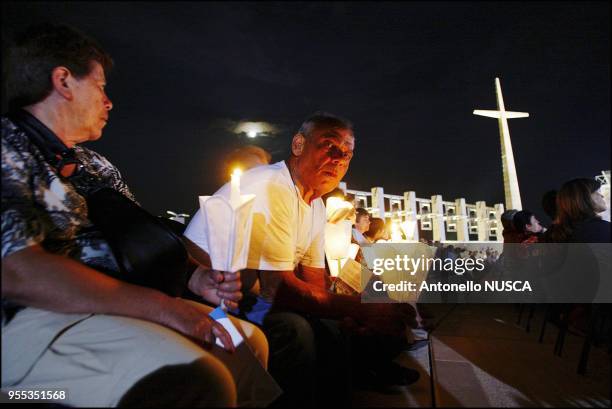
{"x": 286, "y": 230}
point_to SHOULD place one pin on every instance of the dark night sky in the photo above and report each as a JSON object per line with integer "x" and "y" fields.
{"x": 407, "y": 74}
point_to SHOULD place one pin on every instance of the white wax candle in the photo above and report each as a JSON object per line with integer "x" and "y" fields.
{"x": 337, "y": 209}
{"x": 235, "y": 188}
{"x": 353, "y": 250}
{"x": 337, "y": 239}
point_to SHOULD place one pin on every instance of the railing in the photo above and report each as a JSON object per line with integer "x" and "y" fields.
{"x": 442, "y": 220}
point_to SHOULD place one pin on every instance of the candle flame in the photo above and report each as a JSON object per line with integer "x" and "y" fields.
{"x": 237, "y": 172}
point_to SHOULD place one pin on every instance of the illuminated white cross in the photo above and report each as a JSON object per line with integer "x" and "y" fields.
{"x": 511, "y": 186}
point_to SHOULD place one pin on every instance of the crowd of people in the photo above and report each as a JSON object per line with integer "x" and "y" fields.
{"x": 574, "y": 210}
{"x": 77, "y": 316}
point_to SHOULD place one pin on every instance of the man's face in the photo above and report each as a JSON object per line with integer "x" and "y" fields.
{"x": 534, "y": 225}
{"x": 325, "y": 158}
{"x": 363, "y": 223}
{"x": 90, "y": 105}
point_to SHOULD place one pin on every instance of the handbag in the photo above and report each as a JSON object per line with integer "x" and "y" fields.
{"x": 148, "y": 252}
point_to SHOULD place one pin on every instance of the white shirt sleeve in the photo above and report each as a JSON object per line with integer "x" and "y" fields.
{"x": 274, "y": 231}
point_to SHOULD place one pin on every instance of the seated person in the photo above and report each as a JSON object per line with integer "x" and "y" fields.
{"x": 527, "y": 226}
{"x": 377, "y": 230}
{"x": 362, "y": 224}
{"x": 286, "y": 257}
{"x": 245, "y": 158}
{"x": 549, "y": 204}
{"x": 578, "y": 217}
{"x": 69, "y": 321}
{"x": 509, "y": 233}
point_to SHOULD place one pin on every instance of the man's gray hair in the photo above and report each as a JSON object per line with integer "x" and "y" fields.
{"x": 322, "y": 119}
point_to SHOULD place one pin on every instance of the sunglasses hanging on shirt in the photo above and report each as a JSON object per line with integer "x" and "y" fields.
{"x": 147, "y": 251}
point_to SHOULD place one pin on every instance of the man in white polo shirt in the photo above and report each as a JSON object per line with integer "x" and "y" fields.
{"x": 287, "y": 290}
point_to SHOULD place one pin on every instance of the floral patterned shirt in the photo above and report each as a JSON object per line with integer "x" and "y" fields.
{"x": 40, "y": 207}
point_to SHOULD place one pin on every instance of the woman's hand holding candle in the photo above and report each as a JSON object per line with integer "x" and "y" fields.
{"x": 217, "y": 286}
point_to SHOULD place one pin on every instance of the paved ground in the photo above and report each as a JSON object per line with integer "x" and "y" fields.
{"x": 480, "y": 357}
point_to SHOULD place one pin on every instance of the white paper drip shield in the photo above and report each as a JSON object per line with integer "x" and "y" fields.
{"x": 228, "y": 230}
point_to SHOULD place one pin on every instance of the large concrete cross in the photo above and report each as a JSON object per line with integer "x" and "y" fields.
{"x": 511, "y": 186}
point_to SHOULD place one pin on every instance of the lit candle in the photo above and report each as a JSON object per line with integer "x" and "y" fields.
{"x": 337, "y": 209}
{"x": 337, "y": 239}
{"x": 337, "y": 243}
{"x": 235, "y": 188}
